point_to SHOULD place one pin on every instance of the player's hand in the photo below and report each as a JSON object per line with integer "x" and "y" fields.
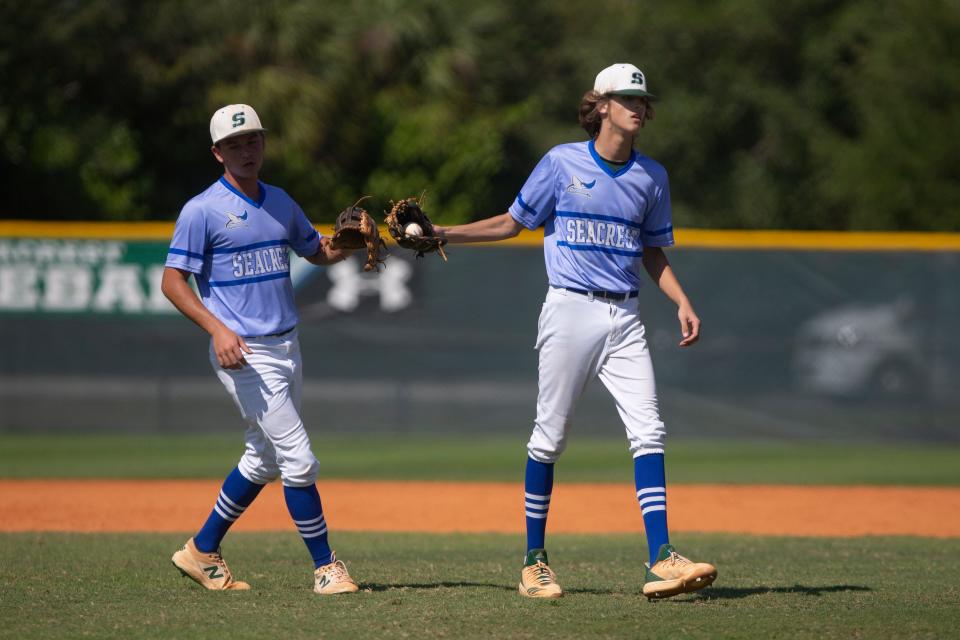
{"x": 229, "y": 349}
{"x": 689, "y": 325}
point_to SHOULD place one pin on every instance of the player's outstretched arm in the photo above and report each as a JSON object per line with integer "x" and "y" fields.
{"x": 491, "y": 229}
{"x": 228, "y": 346}
{"x": 658, "y": 267}
{"x": 326, "y": 254}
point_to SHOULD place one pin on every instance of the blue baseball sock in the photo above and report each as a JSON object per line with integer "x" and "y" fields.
{"x": 538, "y": 485}
{"x": 651, "y": 484}
{"x": 304, "y": 506}
{"x": 235, "y": 496}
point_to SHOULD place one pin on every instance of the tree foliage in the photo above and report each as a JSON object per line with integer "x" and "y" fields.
{"x": 806, "y": 114}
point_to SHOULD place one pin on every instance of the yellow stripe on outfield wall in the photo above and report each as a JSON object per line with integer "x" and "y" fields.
{"x": 818, "y": 240}
{"x": 96, "y": 230}
{"x": 685, "y": 238}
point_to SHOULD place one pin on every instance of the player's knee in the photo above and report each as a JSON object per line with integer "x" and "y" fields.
{"x": 258, "y": 473}
{"x": 549, "y": 437}
{"x": 300, "y": 472}
{"x": 653, "y": 440}
{"x": 544, "y": 450}
{"x": 542, "y": 456}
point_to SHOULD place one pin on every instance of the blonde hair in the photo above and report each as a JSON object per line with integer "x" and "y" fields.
{"x": 590, "y": 111}
{"x": 590, "y": 118}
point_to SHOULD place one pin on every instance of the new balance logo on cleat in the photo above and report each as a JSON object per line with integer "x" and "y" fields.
{"x": 207, "y": 569}
{"x": 213, "y": 571}
{"x": 333, "y": 578}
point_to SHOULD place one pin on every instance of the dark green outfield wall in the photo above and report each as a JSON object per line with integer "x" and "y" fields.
{"x": 800, "y": 344}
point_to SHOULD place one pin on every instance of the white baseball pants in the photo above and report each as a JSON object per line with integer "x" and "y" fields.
{"x": 267, "y": 392}
{"x": 580, "y": 339}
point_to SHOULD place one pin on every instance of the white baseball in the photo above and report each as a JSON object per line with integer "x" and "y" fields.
{"x": 413, "y": 229}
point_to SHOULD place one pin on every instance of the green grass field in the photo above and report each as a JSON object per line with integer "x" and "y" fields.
{"x": 421, "y": 586}
{"x": 457, "y": 458}
{"x": 70, "y": 585}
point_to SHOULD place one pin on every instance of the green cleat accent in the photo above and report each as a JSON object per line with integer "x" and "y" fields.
{"x": 534, "y": 556}
{"x": 663, "y": 553}
{"x": 672, "y": 574}
{"x": 537, "y": 580}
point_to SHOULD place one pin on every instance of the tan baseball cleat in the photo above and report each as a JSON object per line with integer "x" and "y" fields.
{"x": 333, "y": 578}
{"x": 537, "y": 580}
{"x": 672, "y": 574}
{"x": 207, "y": 569}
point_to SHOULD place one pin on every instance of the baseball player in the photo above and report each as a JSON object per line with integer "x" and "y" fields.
{"x": 234, "y": 238}
{"x": 605, "y": 210}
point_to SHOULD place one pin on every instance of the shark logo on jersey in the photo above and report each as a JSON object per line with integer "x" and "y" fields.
{"x": 235, "y": 221}
{"x": 579, "y": 187}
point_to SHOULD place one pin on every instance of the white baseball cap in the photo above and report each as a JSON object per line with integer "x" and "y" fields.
{"x": 233, "y": 120}
{"x": 623, "y": 80}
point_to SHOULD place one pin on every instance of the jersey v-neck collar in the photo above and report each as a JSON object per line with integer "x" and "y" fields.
{"x": 603, "y": 165}
{"x": 240, "y": 194}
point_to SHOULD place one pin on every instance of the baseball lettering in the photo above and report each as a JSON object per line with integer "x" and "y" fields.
{"x": 637, "y": 78}
{"x": 261, "y": 261}
{"x": 52, "y": 276}
{"x": 275, "y": 259}
{"x": 120, "y": 286}
{"x": 602, "y": 234}
{"x": 238, "y": 119}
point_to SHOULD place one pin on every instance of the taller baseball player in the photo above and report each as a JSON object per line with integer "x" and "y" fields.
{"x": 234, "y": 239}
{"x": 605, "y": 210}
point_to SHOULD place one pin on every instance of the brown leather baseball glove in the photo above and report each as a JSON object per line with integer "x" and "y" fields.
{"x": 356, "y": 229}
{"x": 402, "y": 217}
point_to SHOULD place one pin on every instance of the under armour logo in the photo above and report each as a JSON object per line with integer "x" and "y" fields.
{"x": 350, "y": 283}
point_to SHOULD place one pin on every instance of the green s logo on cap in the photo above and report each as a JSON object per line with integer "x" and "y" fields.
{"x": 238, "y": 119}
{"x": 637, "y": 79}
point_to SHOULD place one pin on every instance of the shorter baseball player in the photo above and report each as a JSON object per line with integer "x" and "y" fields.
{"x": 605, "y": 211}
{"x": 234, "y": 239}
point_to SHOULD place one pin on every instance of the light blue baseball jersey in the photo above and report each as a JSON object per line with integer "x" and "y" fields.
{"x": 596, "y": 220}
{"x": 238, "y": 250}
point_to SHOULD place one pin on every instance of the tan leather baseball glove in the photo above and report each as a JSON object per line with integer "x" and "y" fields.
{"x": 356, "y": 229}
{"x": 410, "y": 227}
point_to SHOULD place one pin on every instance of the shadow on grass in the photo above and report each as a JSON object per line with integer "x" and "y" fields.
{"x": 711, "y": 593}
{"x": 375, "y": 586}
{"x": 593, "y": 592}
{"x": 734, "y": 593}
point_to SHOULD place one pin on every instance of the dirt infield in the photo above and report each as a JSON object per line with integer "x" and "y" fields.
{"x": 109, "y": 505}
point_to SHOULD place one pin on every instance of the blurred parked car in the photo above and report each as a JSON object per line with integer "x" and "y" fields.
{"x": 878, "y": 350}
